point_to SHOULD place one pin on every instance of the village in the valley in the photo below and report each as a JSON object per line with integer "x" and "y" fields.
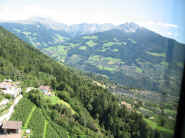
{"x": 10, "y": 95}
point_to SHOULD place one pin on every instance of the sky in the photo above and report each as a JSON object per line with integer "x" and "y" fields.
{"x": 162, "y": 16}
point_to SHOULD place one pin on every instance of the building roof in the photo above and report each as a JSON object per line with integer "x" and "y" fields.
{"x": 12, "y": 125}
{"x": 42, "y": 87}
{"x": 7, "y": 85}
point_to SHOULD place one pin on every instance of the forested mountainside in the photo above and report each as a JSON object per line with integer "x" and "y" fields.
{"x": 126, "y": 54}
{"x": 37, "y": 34}
{"x": 89, "y": 110}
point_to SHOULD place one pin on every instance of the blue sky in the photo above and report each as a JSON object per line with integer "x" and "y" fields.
{"x": 162, "y": 16}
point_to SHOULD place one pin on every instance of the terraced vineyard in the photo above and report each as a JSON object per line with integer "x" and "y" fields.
{"x": 36, "y": 124}
{"x": 33, "y": 119}
{"x": 40, "y": 124}
{"x": 22, "y": 110}
{"x": 51, "y": 133}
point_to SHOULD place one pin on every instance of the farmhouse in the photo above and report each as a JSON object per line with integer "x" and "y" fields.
{"x": 10, "y": 129}
{"x": 45, "y": 89}
{"x": 9, "y": 87}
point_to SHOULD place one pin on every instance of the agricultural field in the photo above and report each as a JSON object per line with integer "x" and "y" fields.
{"x": 51, "y": 133}
{"x": 139, "y": 70}
{"x": 59, "y": 38}
{"x": 109, "y": 44}
{"x": 36, "y": 124}
{"x": 72, "y": 45}
{"x": 90, "y": 37}
{"x": 52, "y": 99}
{"x": 91, "y": 43}
{"x": 131, "y": 40}
{"x": 22, "y": 110}
{"x": 58, "y": 51}
{"x": 156, "y": 54}
{"x": 83, "y": 48}
{"x": 100, "y": 67}
{"x": 115, "y": 50}
{"x": 33, "y": 119}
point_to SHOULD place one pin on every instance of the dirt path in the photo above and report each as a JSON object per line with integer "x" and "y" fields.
{"x": 11, "y": 109}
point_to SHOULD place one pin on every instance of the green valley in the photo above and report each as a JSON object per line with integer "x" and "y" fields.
{"x": 144, "y": 57}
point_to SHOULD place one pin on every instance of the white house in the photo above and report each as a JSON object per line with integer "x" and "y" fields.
{"x": 46, "y": 90}
{"x": 8, "y": 87}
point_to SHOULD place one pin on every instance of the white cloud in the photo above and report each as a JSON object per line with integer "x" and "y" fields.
{"x": 165, "y": 29}
{"x": 60, "y": 15}
{"x": 156, "y": 24}
{"x": 170, "y": 33}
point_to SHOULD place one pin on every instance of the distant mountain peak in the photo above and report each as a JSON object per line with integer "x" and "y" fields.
{"x": 129, "y": 27}
{"x": 78, "y": 29}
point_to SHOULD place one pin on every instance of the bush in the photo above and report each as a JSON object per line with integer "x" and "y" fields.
{"x": 64, "y": 95}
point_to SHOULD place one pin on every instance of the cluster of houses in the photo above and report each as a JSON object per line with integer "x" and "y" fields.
{"x": 10, "y": 87}
{"x": 12, "y": 129}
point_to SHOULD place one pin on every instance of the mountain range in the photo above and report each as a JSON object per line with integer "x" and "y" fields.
{"x": 127, "y": 54}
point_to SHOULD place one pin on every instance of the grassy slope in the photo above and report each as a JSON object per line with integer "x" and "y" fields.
{"x": 154, "y": 125}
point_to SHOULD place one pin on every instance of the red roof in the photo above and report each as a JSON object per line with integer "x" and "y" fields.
{"x": 42, "y": 87}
